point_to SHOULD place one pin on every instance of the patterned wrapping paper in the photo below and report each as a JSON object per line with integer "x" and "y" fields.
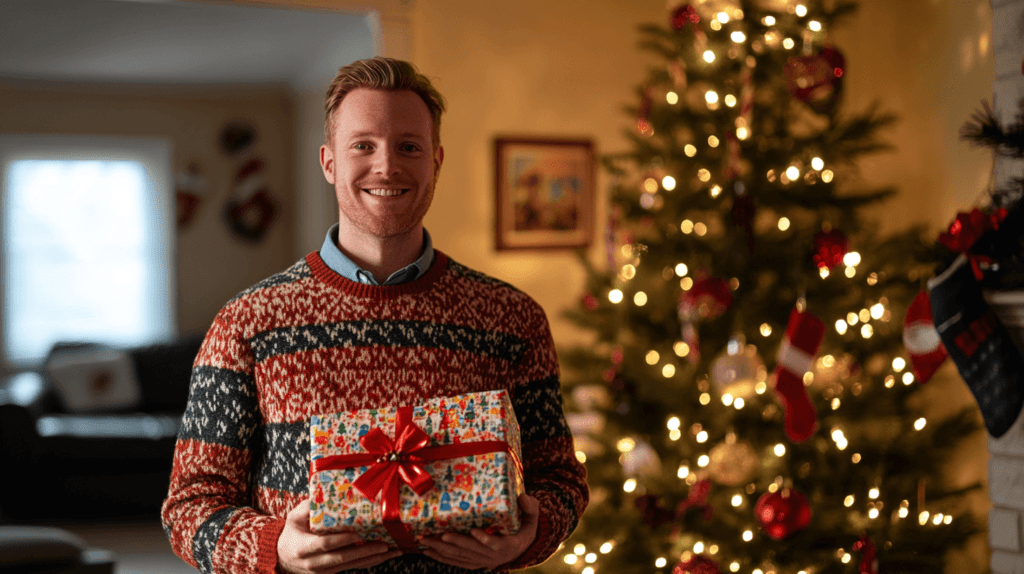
{"x": 469, "y": 492}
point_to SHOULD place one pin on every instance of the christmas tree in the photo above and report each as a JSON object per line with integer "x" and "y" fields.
{"x": 748, "y": 404}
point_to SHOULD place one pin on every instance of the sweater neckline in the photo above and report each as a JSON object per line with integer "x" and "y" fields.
{"x": 324, "y": 273}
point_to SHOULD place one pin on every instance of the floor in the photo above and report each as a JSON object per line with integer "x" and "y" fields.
{"x": 140, "y": 545}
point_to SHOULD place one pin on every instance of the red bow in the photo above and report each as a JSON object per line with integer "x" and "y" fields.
{"x": 698, "y": 498}
{"x": 966, "y": 230}
{"x": 394, "y": 462}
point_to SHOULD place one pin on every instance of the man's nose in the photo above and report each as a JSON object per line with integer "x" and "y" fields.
{"x": 386, "y": 162}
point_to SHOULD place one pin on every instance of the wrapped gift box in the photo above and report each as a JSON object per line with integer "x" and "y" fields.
{"x": 467, "y": 491}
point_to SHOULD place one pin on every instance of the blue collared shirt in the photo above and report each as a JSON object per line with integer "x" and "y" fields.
{"x": 342, "y": 265}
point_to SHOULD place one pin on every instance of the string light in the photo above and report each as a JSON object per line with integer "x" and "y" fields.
{"x": 629, "y": 485}
{"x": 615, "y": 296}
{"x": 605, "y": 548}
{"x": 815, "y": 26}
{"x": 700, "y": 229}
{"x": 703, "y": 460}
{"x": 801, "y": 10}
{"x": 737, "y": 500}
{"x": 780, "y": 449}
{"x": 783, "y": 223}
{"x": 681, "y": 269}
{"x": 709, "y": 56}
{"x": 766, "y": 329}
{"x": 768, "y": 20}
{"x": 817, "y": 163}
{"x": 668, "y": 371}
{"x": 683, "y": 471}
{"x": 628, "y": 271}
{"x": 650, "y": 185}
{"x": 848, "y": 501}
{"x": 570, "y": 559}
{"x": 704, "y": 175}
{"x": 823, "y": 271}
{"x": 852, "y": 259}
{"x": 827, "y": 175}
{"x": 690, "y": 150}
{"x": 898, "y": 364}
{"x": 738, "y": 37}
{"x": 722, "y": 17}
{"x": 580, "y": 549}
{"x": 841, "y": 327}
{"x": 625, "y": 444}
{"x": 698, "y": 547}
{"x": 792, "y": 172}
{"x": 922, "y": 518}
{"x": 681, "y": 349}
{"x": 890, "y": 381}
{"x": 713, "y": 141}
{"x": 686, "y": 226}
{"x": 850, "y": 272}
{"x": 702, "y": 437}
{"x": 867, "y": 331}
{"x": 748, "y": 535}
{"x": 668, "y": 182}
{"x": 660, "y": 562}
{"x": 640, "y": 298}
{"x": 920, "y": 423}
{"x": 715, "y": 190}
{"x": 788, "y": 43}
{"x": 726, "y": 399}
{"x": 704, "y": 399}
{"x": 730, "y": 100}
{"x": 672, "y": 98}
{"x": 908, "y": 378}
{"x": 686, "y": 283}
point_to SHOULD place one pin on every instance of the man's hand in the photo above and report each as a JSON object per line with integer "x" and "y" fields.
{"x": 482, "y": 550}
{"x": 300, "y": 551}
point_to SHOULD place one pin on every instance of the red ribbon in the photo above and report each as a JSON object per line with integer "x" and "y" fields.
{"x": 393, "y": 462}
{"x": 965, "y": 231}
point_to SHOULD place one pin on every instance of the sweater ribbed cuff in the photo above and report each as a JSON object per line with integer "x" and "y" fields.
{"x": 266, "y": 557}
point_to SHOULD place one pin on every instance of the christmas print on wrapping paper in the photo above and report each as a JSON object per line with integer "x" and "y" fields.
{"x": 478, "y": 491}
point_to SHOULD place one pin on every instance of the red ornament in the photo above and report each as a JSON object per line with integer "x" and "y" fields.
{"x": 782, "y": 514}
{"x": 683, "y": 15}
{"x": 590, "y": 302}
{"x": 696, "y": 564}
{"x": 652, "y": 513}
{"x": 815, "y": 79}
{"x": 707, "y": 299}
{"x": 869, "y": 559}
{"x": 829, "y": 248}
{"x": 968, "y": 228}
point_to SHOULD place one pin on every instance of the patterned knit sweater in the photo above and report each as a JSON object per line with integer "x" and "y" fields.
{"x": 308, "y": 341}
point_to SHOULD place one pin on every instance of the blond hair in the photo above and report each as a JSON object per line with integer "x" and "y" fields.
{"x": 380, "y": 73}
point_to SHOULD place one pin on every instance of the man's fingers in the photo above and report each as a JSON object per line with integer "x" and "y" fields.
{"x": 530, "y": 508}
{"x": 354, "y": 557}
{"x": 329, "y": 542}
{"x": 299, "y": 512}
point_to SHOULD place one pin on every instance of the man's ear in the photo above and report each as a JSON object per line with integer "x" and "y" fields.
{"x": 438, "y": 159}
{"x": 327, "y": 163}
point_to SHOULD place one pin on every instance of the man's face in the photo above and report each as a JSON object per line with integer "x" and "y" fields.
{"x": 382, "y": 162}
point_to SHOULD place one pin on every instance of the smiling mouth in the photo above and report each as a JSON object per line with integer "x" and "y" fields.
{"x": 386, "y": 192}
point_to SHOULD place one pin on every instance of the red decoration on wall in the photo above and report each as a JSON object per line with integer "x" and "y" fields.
{"x": 683, "y": 15}
{"x": 782, "y": 514}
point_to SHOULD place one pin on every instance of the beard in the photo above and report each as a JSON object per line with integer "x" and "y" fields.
{"x": 388, "y": 221}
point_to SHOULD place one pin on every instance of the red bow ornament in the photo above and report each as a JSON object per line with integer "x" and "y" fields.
{"x": 966, "y": 230}
{"x": 698, "y": 498}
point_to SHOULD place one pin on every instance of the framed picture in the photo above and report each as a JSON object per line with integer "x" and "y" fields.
{"x": 545, "y": 190}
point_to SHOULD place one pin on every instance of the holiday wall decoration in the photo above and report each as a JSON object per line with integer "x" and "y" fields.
{"x": 762, "y": 413}
{"x": 250, "y": 209}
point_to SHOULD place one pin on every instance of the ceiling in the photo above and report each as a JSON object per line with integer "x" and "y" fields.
{"x": 169, "y": 42}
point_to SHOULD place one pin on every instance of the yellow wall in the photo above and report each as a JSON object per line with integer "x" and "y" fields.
{"x": 533, "y": 68}
{"x": 212, "y": 265}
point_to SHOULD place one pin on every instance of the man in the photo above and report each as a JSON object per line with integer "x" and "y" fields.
{"x": 376, "y": 317}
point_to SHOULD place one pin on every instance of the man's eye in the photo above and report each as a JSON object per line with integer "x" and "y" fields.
{"x": 409, "y": 147}
{"x": 361, "y": 146}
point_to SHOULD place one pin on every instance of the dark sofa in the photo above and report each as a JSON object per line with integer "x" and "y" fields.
{"x": 62, "y": 465}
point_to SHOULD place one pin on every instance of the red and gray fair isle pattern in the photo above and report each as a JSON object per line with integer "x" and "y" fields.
{"x": 308, "y": 341}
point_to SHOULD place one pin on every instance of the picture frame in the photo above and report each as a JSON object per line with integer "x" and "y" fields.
{"x": 544, "y": 193}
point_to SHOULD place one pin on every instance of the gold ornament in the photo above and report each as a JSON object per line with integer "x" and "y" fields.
{"x": 732, "y": 464}
{"x": 738, "y": 370}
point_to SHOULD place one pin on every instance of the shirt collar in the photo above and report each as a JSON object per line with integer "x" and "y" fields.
{"x": 342, "y": 265}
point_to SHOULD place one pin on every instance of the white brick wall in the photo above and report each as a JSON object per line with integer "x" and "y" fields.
{"x": 1006, "y": 463}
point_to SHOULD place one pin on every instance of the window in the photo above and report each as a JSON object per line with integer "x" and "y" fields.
{"x": 87, "y": 242}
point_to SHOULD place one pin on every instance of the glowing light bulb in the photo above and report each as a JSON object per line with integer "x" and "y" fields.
{"x": 690, "y": 150}
{"x": 780, "y": 449}
{"x": 709, "y": 56}
{"x": 852, "y": 259}
{"x": 681, "y": 349}
{"x": 580, "y": 550}
{"x": 873, "y": 493}
{"x": 877, "y": 310}
{"x": 738, "y": 37}
{"x": 615, "y": 296}
{"x": 625, "y": 444}
{"x": 722, "y": 17}
{"x": 768, "y": 20}
{"x": 920, "y": 423}
{"x": 737, "y": 500}
{"x": 817, "y": 163}
{"x": 681, "y": 269}
{"x": 898, "y": 364}
{"x": 814, "y": 26}
{"x": 640, "y": 299}
{"x": 668, "y": 371}
{"x": 726, "y": 399}
{"x": 702, "y": 436}
{"x": 705, "y": 398}
{"x": 590, "y": 558}
{"x": 867, "y": 331}
{"x": 788, "y": 43}
{"x": 672, "y": 98}
{"x": 793, "y": 172}
{"x": 703, "y": 175}
{"x": 908, "y": 378}
{"x": 683, "y": 471}
{"x": 848, "y": 501}
{"x": 713, "y": 141}
{"x": 730, "y": 100}
{"x": 766, "y": 329}
{"x": 660, "y": 562}
{"x": 673, "y": 423}
{"x": 711, "y": 97}
{"x": 652, "y": 357}
{"x": 605, "y": 548}
{"x": 703, "y": 460}
{"x": 827, "y": 175}
{"x": 668, "y": 182}
{"x": 629, "y": 485}
{"x": 801, "y": 10}
{"x": 742, "y": 133}
{"x": 570, "y": 559}
{"x": 748, "y": 535}
{"x": 841, "y": 327}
